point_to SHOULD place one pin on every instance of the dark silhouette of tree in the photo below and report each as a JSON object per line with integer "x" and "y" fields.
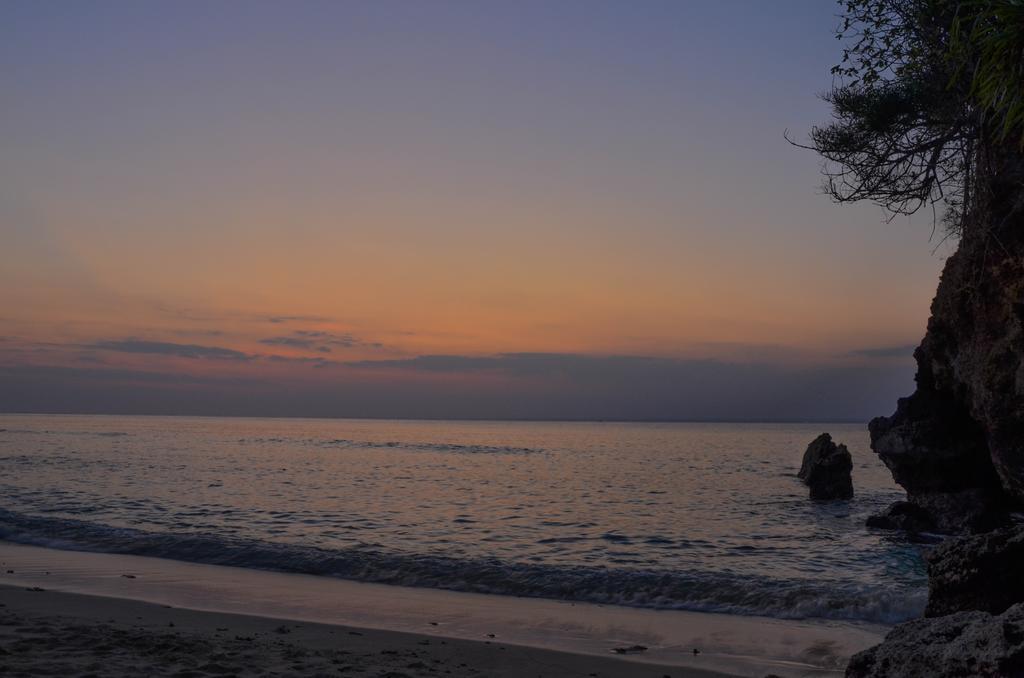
{"x": 928, "y": 97}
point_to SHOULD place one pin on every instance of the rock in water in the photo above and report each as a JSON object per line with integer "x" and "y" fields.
{"x": 818, "y": 448}
{"x": 955, "y": 646}
{"x": 826, "y": 469}
{"x": 903, "y": 515}
{"x": 981, "y": 572}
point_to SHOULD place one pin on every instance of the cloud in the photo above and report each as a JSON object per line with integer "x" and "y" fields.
{"x": 125, "y": 391}
{"x": 293, "y": 342}
{"x": 578, "y": 386}
{"x": 169, "y": 349}
{"x": 109, "y": 375}
{"x": 196, "y": 351}
{"x": 314, "y": 362}
{"x": 215, "y": 315}
{"x": 528, "y": 364}
{"x": 317, "y": 340}
{"x": 198, "y": 333}
{"x": 904, "y": 351}
{"x": 281, "y": 319}
{"x": 90, "y": 359}
{"x": 503, "y": 386}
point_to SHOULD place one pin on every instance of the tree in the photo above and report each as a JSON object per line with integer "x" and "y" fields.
{"x": 928, "y": 99}
{"x": 995, "y": 32}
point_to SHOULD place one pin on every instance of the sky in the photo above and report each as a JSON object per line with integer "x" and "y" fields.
{"x": 544, "y": 210}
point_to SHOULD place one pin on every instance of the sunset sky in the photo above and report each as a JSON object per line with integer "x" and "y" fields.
{"x": 439, "y": 209}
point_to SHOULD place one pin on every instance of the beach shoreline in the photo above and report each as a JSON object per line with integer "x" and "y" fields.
{"x": 136, "y": 600}
{"x": 45, "y": 632}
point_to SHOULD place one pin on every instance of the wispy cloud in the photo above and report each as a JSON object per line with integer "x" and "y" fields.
{"x": 198, "y": 333}
{"x": 197, "y": 351}
{"x": 207, "y": 315}
{"x": 167, "y": 348}
{"x": 317, "y": 340}
{"x": 281, "y": 319}
{"x": 904, "y": 351}
{"x": 302, "y": 360}
{"x": 438, "y": 363}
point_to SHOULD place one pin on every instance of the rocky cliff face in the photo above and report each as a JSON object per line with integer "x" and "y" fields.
{"x": 980, "y": 572}
{"x": 961, "y": 645}
{"x": 974, "y": 624}
{"x": 957, "y": 444}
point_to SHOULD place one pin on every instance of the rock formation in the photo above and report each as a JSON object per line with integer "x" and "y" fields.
{"x": 955, "y": 646}
{"x": 957, "y": 444}
{"x": 981, "y": 572}
{"x": 974, "y": 622}
{"x": 903, "y": 515}
{"x": 826, "y": 469}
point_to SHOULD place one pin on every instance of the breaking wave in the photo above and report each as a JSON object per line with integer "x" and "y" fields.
{"x": 659, "y": 589}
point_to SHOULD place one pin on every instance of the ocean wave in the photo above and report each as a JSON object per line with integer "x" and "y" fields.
{"x": 699, "y": 591}
{"x": 395, "y": 445}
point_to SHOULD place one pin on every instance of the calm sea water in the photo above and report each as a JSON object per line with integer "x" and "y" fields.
{"x": 686, "y": 516}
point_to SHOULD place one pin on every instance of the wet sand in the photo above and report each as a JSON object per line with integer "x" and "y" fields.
{"x": 102, "y": 614}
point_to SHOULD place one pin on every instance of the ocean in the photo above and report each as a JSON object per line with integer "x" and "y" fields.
{"x": 688, "y": 516}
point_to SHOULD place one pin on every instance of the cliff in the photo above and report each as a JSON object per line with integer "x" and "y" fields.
{"x": 957, "y": 446}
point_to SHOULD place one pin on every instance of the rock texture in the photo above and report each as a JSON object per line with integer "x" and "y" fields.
{"x": 955, "y": 646}
{"x": 826, "y": 469}
{"x": 982, "y": 572}
{"x": 903, "y": 515}
{"x": 957, "y": 444}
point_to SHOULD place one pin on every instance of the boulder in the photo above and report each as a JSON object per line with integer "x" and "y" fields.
{"x": 969, "y": 511}
{"x": 961, "y": 645}
{"x": 903, "y": 515}
{"x": 826, "y": 469}
{"x": 980, "y": 572}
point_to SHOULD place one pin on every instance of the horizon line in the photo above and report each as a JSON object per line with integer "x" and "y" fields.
{"x": 553, "y": 420}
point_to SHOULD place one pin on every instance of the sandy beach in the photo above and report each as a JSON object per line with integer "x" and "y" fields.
{"x": 50, "y": 633}
{"x": 75, "y": 613}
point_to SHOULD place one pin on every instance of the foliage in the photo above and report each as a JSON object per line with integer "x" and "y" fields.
{"x": 923, "y": 87}
{"x": 990, "y": 36}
